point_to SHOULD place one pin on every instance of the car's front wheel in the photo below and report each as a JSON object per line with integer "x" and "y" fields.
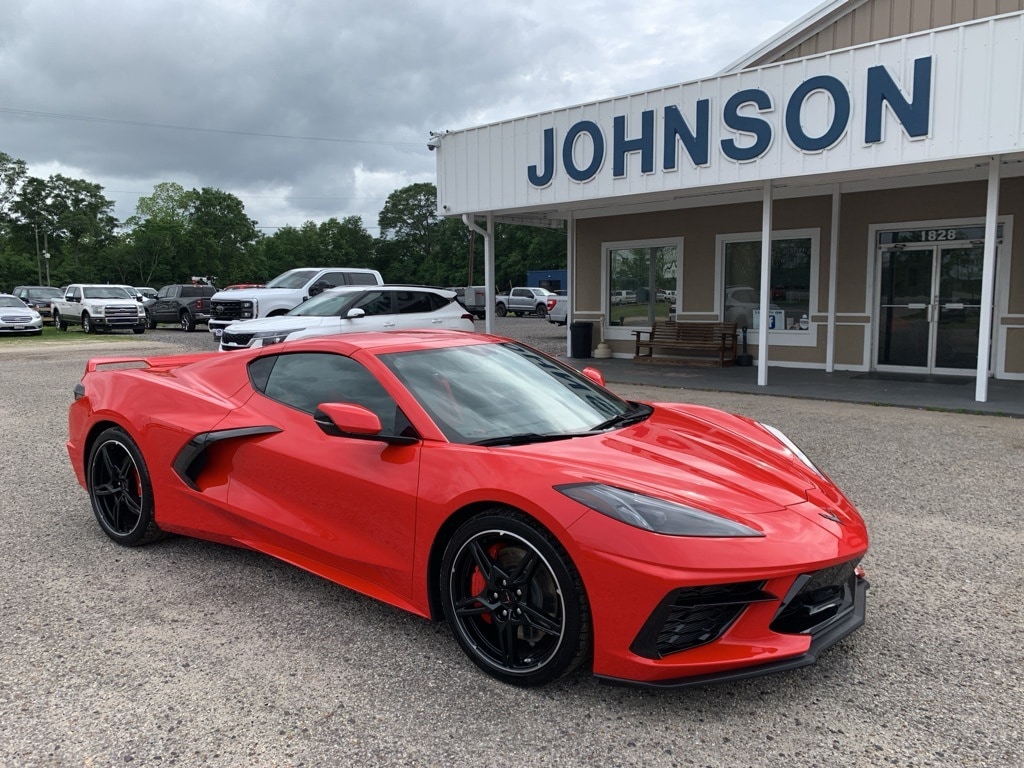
{"x": 542, "y": 310}
{"x": 120, "y": 489}
{"x": 87, "y": 324}
{"x": 514, "y": 599}
{"x": 150, "y": 321}
{"x": 58, "y": 322}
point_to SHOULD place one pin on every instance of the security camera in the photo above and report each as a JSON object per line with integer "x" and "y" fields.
{"x": 435, "y": 142}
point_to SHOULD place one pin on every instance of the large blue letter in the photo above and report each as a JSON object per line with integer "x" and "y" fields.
{"x": 549, "y": 162}
{"x": 761, "y": 129}
{"x": 697, "y": 143}
{"x": 914, "y": 115}
{"x": 841, "y": 100}
{"x": 644, "y": 145}
{"x": 583, "y": 126}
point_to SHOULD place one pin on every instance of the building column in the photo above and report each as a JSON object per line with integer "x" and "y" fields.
{"x": 570, "y": 280}
{"x": 766, "y": 275}
{"x": 833, "y": 266}
{"x": 488, "y": 234}
{"x": 988, "y": 283}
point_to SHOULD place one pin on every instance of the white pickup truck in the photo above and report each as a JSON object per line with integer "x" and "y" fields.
{"x": 283, "y": 293}
{"x": 523, "y": 301}
{"x": 99, "y": 308}
{"x": 558, "y": 310}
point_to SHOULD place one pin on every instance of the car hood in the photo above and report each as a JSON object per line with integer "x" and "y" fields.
{"x": 281, "y": 323}
{"x": 704, "y": 458}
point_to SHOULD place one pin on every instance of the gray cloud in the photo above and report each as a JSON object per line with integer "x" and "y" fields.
{"x": 373, "y": 77}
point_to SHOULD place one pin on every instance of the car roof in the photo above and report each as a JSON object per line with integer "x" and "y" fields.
{"x": 343, "y": 289}
{"x": 380, "y": 342}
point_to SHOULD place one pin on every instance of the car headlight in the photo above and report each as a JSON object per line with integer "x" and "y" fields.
{"x": 653, "y": 514}
{"x": 275, "y": 337}
{"x": 781, "y": 437}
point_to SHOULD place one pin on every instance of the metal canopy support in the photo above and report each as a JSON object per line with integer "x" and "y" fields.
{"x": 570, "y": 280}
{"x": 766, "y": 275}
{"x": 488, "y": 235}
{"x": 988, "y": 282}
{"x": 833, "y": 266}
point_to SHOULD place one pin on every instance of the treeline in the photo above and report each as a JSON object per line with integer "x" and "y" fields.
{"x": 177, "y": 233}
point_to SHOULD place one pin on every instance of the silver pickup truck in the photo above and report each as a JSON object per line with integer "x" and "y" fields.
{"x": 99, "y": 308}
{"x": 523, "y": 301}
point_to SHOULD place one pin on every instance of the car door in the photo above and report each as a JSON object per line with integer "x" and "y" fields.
{"x": 416, "y": 309}
{"x": 328, "y": 502}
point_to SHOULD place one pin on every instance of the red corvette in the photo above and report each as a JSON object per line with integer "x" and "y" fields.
{"x": 470, "y": 478}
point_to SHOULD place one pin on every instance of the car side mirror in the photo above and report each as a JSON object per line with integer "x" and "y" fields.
{"x": 594, "y": 375}
{"x": 354, "y": 422}
{"x": 355, "y": 312}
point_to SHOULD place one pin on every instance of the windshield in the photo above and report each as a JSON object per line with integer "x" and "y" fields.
{"x": 44, "y": 293}
{"x": 106, "y": 292}
{"x": 294, "y": 279}
{"x": 326, "y": 305}
{"x": 11, "y": 301}
{"x": 484, "y": 392}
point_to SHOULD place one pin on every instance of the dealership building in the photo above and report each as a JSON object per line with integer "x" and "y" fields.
{"x": 847, "y": 191}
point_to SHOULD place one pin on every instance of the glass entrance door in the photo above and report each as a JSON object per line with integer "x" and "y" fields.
{"x": 929, "y": 308}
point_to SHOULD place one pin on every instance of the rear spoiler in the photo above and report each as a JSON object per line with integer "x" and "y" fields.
{"x": 160, "y": 361}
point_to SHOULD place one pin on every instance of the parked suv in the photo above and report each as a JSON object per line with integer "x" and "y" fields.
{"x": 354, "y": 308}
{"x": 38, "y": 297}
{"x": 186, "y": 304}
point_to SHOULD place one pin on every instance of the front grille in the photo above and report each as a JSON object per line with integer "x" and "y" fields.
{"x": 226, "y": 310}
{"x": 817, "y": 598}
{"x": 236, "y": 339}
{"x": 694, "y": 616}
{"x": 127, "y": 315}
{"x": 16, "y": 319}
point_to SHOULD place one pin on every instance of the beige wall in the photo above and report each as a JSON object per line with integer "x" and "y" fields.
{"x": 699, "y": 228}
{"x": 881, "y": 19}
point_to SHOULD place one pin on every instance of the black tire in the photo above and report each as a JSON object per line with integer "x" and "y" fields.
{"x": 120, "y": 489}
{"x": 150, "y": 321}
{"x": 542, "y": 310}
{"x": 514, "y": 600}
{"x": 500, "y": 310}
{"x": 87, "y": 324}
{"x": 188, "y": 323}
{"x": 58, "y": 322}
{"x": 139, "y": 329}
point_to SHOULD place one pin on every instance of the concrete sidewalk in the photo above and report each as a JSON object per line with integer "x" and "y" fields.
{"x": 941, "y": 393}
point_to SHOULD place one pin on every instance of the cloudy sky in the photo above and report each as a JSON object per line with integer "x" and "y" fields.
{"x": 307, "y": 109}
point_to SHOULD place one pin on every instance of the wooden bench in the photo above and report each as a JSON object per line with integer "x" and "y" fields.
{"x": 696, "y": 342}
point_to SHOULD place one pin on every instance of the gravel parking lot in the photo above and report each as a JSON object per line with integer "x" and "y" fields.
{"x": 189, "y": 653}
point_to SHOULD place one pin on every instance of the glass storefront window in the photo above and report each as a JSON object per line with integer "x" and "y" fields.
{"x": 790, "y": 283}
{"x": 641, "y": 284}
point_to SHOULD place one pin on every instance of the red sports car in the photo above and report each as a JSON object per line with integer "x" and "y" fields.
{"x": 470, "y": 478}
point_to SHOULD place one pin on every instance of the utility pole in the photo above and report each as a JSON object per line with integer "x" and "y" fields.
{"x": 39, "y": 263}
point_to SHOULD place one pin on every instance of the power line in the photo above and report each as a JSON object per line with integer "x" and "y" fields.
{"x": 196, "y": 129}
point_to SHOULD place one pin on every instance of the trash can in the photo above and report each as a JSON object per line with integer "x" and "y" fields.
{"x": 581, "y": 339}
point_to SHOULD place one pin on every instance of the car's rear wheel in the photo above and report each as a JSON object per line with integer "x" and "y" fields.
{"x": 514, "y": 599}
{"x": 188, "y": 323}
{"x": 87, "y": 325}
{"x": 500, "y": 310}
{"x": 120, "y": 489}
{"x": 542, "y": 310}
{"x": 58, "y": 322}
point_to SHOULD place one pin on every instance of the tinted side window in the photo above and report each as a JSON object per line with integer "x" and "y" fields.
{"x": 361, "y": 278}
{"x": 191, "y": 291}
{"x": 331, "y": 279}
{"x": 164, "y": 292}
{"x": 304, "y": 380}
{"x": 409, "y": 302}
{"x": 374, "y": 303}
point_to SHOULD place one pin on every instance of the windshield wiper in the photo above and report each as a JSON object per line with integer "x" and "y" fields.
{"x": 625, "y": 419}
{"x": 525, "y": 438}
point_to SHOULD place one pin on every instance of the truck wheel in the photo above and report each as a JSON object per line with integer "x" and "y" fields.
{"x": 150, "y": 321}
{"x": 188, "y": 323}
{"x": 58, "y": 322}
{"x": 138, "y": 329}
{"x": 87, "y": 325}
{"x": 500, "y": 310}
{"x": 542, "y": 310}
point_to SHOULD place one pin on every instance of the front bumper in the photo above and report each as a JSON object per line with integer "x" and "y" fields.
{"x": 828, "y": 636}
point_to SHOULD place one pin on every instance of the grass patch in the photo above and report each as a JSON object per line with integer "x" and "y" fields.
{"x": 74, "y": 334}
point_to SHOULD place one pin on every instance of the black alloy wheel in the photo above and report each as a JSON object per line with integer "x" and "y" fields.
{"x": 514, "y": 600}
{"x": 120, "y": 489}
{"x": 188, "y": 323}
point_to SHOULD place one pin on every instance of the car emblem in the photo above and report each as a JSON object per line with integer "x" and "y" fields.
{"x": 828, "y": 514}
